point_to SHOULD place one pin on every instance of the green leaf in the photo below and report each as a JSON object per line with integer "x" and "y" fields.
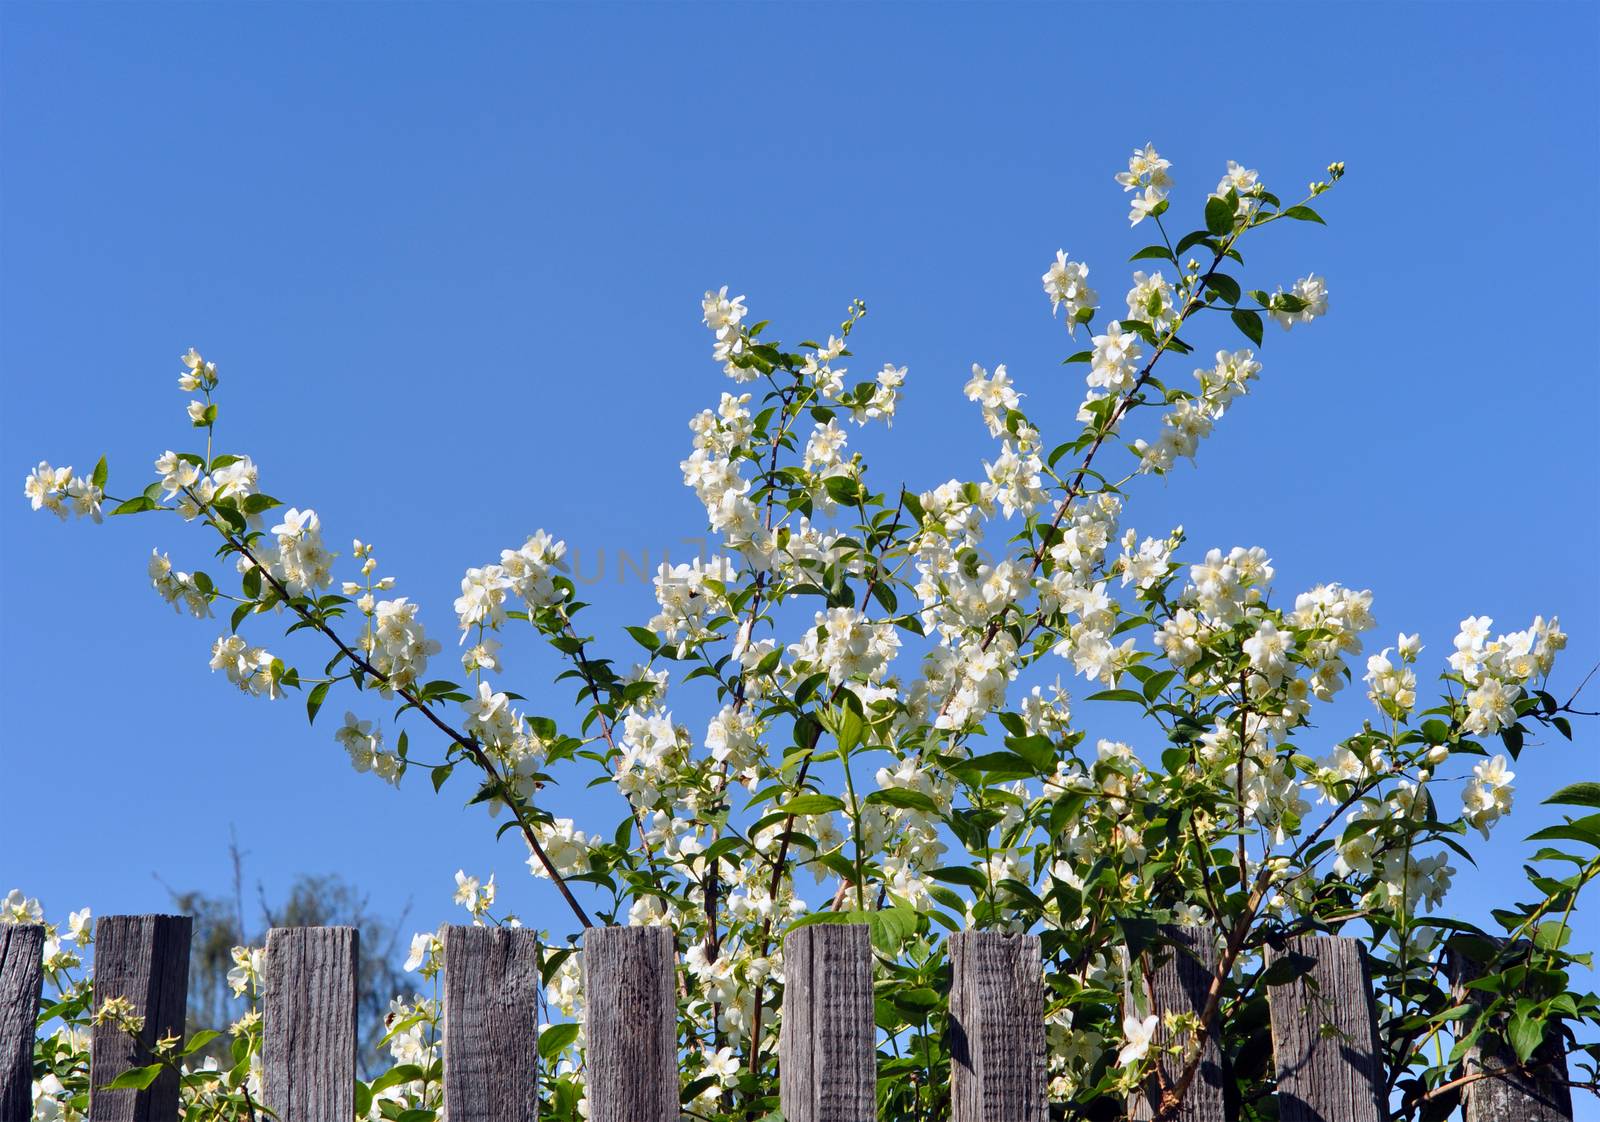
{"x": 1224, "y": 286}
{"x": 100, "y": 473}
{"x": 314, "y": 700}
{"x": 555, "y": 1040}
{"x": 1249, "y": 323}
{"x": 1578, "y": 794}
{"x": 997, "y": 766}
{"x": 1303, "y": 213}
{"x": 1117, "y": 695}
{"x": 1159, "y": 252}
{"x": 136, "y": 505}
{"x": 134, "y": 1079}
{"x": 1552, "y": 936}
{"x": 199, "y": 1040}
{"x": 1219, "y": 215}
{"x": 812, "y": 804}
{"x": 890, "y": 927}
{"x": 1525, "y": 1034}
{"x": 848, "y": 728}
{"x": 964, "y": 875}
{"x": 902, "y": 798}
{"x": 255, "y": 504}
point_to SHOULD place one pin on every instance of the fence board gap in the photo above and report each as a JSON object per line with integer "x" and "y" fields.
{"x": 997, "y": 1045}
{"x": 631, "y": 1024}
{"x": 1325, "y": 1032}
{"x": 21, "y": 977}
{"x": 308, "y": 1052}
{"x": 828, "y": 1062}
{"x": 1514, "y": 1094}
{"x": 144, "y": 959}
{"x": 491, "y": 1024}
{"x": 1181, "y": 975}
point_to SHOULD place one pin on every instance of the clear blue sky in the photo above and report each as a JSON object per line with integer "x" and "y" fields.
{"x": 449, "y": 261}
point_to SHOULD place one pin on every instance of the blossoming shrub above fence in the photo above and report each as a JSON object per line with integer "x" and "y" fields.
{"x": 1323, "y": 1027}
{"x": 877, "y": 673}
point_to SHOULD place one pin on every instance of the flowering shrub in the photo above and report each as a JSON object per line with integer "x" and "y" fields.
{"x": 889, "y": 740}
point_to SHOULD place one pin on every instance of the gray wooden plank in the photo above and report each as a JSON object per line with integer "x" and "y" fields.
{"x": 21, "y": 977}
{"x": 630, "y": 1021}
{"x": 1180, "y": 977}
{"x": 1511, "y": 1093}
{"x": 997, "y": 1044}
{"x": 308, "y": 1051}
{"x": 491, "y": 1024}
{"x": 1325, "y": 1033}
{"x": 828, "y": 1062}
{"x": 144, "y": 959}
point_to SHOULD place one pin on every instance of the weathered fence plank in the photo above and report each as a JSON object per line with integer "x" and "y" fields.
{"x": 308, "y": 1052}
{"x": 828, "y": 1062}
{"x": 997, "y": 1047}
{"x": 491, "y": 1024}
{"x": 1178, "y": 983}
{"x": 144, "y": 959}
{"x": 1325, "y": 1032}
{"x": 632, "y": 1024}
{"x": 1512, "y": 1093}
{"x": 21, "y": 976}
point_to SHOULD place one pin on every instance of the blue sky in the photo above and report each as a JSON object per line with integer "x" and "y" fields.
{"x": 449, "y": 258}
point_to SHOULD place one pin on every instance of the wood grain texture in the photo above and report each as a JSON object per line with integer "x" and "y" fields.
{"x": 21, "y": 976}
{"x": 308, "y": 1052}
{"x": 491, "y": 1024}
{"x": 1512, "y": 1094}
{"x": 1325, "y": 1033}
{"x": 1181, "y": 975}
{"x": 146, "y": 960}
{"x": 827, "y": 1054}
{"x": 631, "y": 1014}
{"x": 997, "y": 1047}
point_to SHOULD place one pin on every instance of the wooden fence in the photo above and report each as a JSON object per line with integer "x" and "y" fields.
{"x": 1324, "y": 1028}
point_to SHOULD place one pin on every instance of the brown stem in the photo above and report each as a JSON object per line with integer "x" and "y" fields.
{"x": 467, "y": 743}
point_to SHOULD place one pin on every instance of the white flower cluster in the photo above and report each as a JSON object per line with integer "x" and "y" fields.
{"x": 819, "y": 370}
{"x": 1067, "y": 285}
{"x": 970, "y": 678}
{"x": 1496, "y": 670}
{"x": 527, "y": 573}
{"x": 566, "y": 846}
{"x": 298, "y": 558}
{"x": 397, "y": 645}
{"x": 1310, "y": 301}
{"x": 253, "y": 669}
{"x": 1191, "y": 418}
{"x": 1487, "y": 796}
{"x": 1146, "y": 174}
{"x": 61, "y": 493}
{"x": 1393, "y": 688}
{"x": 177, "y": 588}
{"x": 883, "y": 400}
{"x": 723, "y": 317}
{"x": 843, "y": 644}
{"x": 1243, "y": 181}
{"x": 690, "y": 594}
{"x": 364, "y": 743}
{"x": 1114, "y": 365}
{"x": 994, "y": 395}
{"x": 1153, "y": 300}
